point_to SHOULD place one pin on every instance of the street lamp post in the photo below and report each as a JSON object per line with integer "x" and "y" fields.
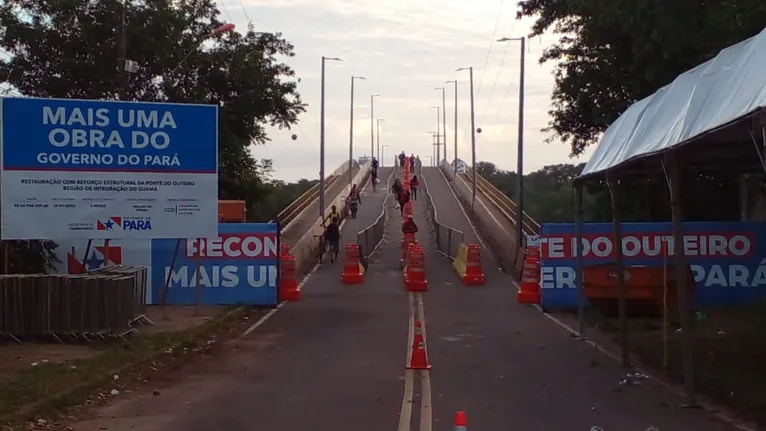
{"x": 321, "y": 139}
{"x": 438, "y": 133}
{"x": 520, "y": 146}
{"x": 372, "y": 124}
{"x": 382, "y": 155}
{"x": 444, "y": 119}
{"x": 433, "y": 146}
{"x": 351, "y": 132}
{"x": 473, "y": 138}
{"x": 378, "y": 124}
{"x": 454, "y": 165}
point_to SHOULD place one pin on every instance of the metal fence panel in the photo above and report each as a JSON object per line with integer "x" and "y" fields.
{"x": 103, "y": 302}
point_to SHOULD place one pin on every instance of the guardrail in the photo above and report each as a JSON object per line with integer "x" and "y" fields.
{"x": 448, "y": 239}
{"x": 369, "y": 237}
{"x": 296, "y": 207}
{"x": 506, "y": 206}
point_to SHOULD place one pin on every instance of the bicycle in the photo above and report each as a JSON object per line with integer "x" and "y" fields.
{"x": 323, "y": 247}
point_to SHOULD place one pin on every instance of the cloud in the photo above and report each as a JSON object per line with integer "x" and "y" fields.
{"x": 405, "y": 49}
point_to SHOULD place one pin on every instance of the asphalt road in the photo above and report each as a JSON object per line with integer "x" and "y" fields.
{"x": 335, "y": 361}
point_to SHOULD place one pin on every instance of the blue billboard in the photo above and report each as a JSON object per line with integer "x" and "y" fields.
{"x": 237, "y": 267}
{"x": 108, "y": 169}
{"x": 109, "y": 136}
{"x": 727, "y": 259}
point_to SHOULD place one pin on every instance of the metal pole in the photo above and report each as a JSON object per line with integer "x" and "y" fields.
{"x": 321, "y": 146}
{"x": 351, "y": 136}
{"x": 520, "y": 156}
{"x": 444, "y": 121}
{"x": 378, "y": 127}
{"x": 672, "y": 168}
{"x": 123, "y": 53}
{"x": 578, "y": 186}
{"x": 455, "y": 163}
{"x": 438, "y": 136}
{"x": 372, "y": 125}
{"x": 622, "y": 291}
{"x": 473, "y": 145}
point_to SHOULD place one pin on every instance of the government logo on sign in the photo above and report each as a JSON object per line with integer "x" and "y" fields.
{"x": 125, "y": 223}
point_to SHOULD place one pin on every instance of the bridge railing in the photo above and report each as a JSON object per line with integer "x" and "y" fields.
{"x": 369, "y": 237}
{"x": 507, "y": 206}
{"x": 296, "y": 207}
{"x": 448, "y": 239}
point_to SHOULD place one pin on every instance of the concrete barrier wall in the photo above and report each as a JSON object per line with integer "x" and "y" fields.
{"x": 305, "y": 249}
{"x": 500, "y": 240}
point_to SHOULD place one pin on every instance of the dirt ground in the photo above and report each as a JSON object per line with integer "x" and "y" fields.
{"x": 729, "y": 353}
{"x": 17, "y": 358}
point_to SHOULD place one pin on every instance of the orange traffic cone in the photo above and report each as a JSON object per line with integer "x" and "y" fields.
{"x": 530, "y": 277}
{"x": 414, "y": 269}
{"x": 288, "y": 282}
{"x": 353, "y": 271}
{"x": 461, "y": 422}
{"x": 419, "y": 356}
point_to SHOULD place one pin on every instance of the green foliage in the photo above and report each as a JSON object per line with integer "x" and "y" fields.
{"x": 69, "y": 49}
{"x": 549, "y": 196}
{"x": 615, "y": 53}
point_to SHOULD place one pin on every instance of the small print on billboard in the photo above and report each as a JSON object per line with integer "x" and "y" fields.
{"x": 104, "y": 168}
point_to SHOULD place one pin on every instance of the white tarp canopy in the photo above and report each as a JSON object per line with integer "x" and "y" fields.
{"x": 713, "y": 94}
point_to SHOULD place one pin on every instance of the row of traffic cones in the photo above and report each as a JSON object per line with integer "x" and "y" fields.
{"x": 288, "y": 280}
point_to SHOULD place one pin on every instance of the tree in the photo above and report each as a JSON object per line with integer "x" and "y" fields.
{"x": 68, "y": 49}
{"x": 615, "y": 53}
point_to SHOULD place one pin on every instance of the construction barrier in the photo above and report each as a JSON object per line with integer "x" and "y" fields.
{"x": 353, "y": 271}
{"x": 408, "y": 239}
{"x": 461, "y": 422}
{"x": 467, "y": 264}
{"x": 419, "y": 354}
{"x": 530, "y": 277}
{"x": 287, "y": 289}
{"x": 415, "y": 270}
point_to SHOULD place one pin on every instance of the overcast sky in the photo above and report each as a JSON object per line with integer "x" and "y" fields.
{"x": 405, "y": 49}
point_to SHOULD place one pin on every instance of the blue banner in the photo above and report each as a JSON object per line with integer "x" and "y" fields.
{"x": 726, "y": 258}
{"x": 108, "y": 136}
{"x": 238, "y": 267}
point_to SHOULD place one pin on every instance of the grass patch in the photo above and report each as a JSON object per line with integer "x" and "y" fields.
{"x": 48, "y": 388}
{"x": 729, "y": 353}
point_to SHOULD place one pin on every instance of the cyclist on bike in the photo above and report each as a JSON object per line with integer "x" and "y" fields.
{"x": 332, "y": 238}
{"x": 334, "y": 216}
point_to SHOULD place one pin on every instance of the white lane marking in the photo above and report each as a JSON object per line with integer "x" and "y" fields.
{"x": 426, "y": 420}
{"x": 405, "y": 414}
{"x": 279, "y": 306}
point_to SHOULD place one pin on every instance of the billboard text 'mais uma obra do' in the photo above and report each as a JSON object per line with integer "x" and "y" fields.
{"x": 103, "y": 136}
{"x": 237, "y": 267}
{"x": 725, "y": 258}
{"x": 70, "y": 166}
